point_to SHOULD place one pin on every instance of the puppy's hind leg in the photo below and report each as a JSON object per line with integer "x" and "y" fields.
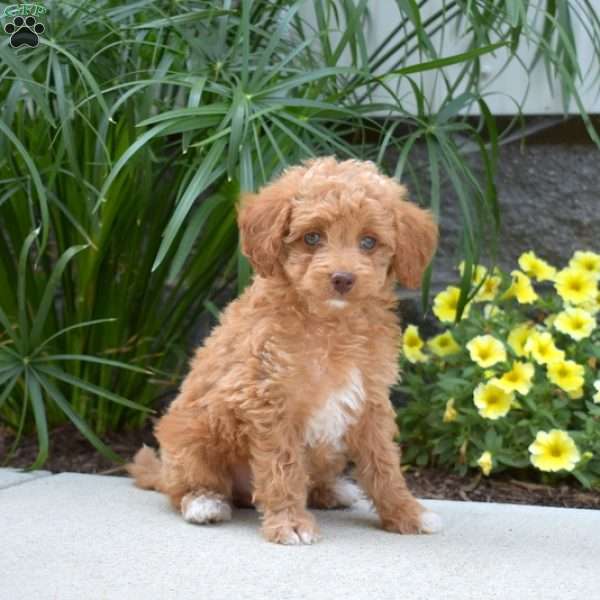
{"x": 328, "y": 487}
{"x": 195, "y": 472}
{"x": 209, "y": 499}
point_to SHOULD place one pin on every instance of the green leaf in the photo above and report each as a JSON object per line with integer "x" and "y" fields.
{"x": 36, "y": 178}
{"x": 207, "y": 173}
{"x": 39, "y": 413}
{"x": 49, "y": 292}
{"x": 92, "y": 359}
{"x": 299, "y": 80}
{"x": 219, "y": 108}
{"x": 61, "y": 332}
{"x": 125, "y": 158}
{"x": 12, "y": 377}
{"x": 439, "y": 63}
{"x": 81, "y": 425}
{"x": 191, "y": 233}
{"x": 89, "y": 387}
{"x": 24, "y": 340}
{"x": 12, "y": 59}
{"x": 83, "y": 72}
{"x": 585, "y": 481}
{"x": 244, "y": 272}
{"x": 8, "y": 328}
{"x": 184, "y": 19}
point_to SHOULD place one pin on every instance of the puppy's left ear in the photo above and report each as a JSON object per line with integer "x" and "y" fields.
{"x": 263, "y": 220}
{"x": 416, "y": 240}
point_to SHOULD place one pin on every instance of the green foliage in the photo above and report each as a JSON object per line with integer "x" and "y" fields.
{"x": 447, "y": 422}
{"x": 27, "y": 365}
{"x": 133, "y": 127}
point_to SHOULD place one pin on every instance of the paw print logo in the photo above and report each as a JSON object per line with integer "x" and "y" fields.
{"x": 24, "y": 32}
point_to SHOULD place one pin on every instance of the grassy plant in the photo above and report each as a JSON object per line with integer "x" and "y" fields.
{"x": 133, "y": 127}
{"x": 27, "y": 365}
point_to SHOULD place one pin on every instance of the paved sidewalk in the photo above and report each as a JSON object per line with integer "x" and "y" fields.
{"x": 89, "y": 537}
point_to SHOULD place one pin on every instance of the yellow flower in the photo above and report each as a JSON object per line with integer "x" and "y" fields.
{"x": 575, "y": 285}
{"x": 488, "y": 291}
{"x": 485, "y": 463}
{"x": 491, "y": 310}
{"x": 446, "y": 303}
{"x": 576, "y": 395}
{"x": 596, "y": 396}
{"x": 586, "y": 261}
{"x": 443, "y": 344}
{"x": 521, "y": 289}
{"x": 486, "y": 350}
{"x": 491, "y": 400}
{"x": 518, "y": 379}
{"x": 575, "y": 322}
{"x": 554, "y": 450}
{"x": 592, "y": 306}
{"x": 478, "y": 272}
{"x": 566, "y": 374}
{"x": 536, "y": 267}
{"x": 412, "y": 344}
{"x": 450, "y": 413}
{"x": 518, "y": 336}
{"x": 542, "y": 348}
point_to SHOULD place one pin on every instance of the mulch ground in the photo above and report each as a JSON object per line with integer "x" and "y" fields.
{"x": 69, "y": 451}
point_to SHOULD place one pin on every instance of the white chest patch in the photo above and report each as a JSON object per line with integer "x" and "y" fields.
{"x": 341, "y": 409}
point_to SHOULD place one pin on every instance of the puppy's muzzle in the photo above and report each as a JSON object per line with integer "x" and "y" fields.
{"x": 343, "y": 282}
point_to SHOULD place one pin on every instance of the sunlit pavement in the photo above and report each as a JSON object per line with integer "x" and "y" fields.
{"x": 90, "y": 537}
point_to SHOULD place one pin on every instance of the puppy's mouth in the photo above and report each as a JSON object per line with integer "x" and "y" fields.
{"x": 337, "y": 303}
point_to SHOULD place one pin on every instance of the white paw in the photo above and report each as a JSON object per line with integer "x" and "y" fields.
{"x": 347, "y": 492}
{"x": 308, "y": 536}
{"x": 300, "y": 536}
{"x": 291, "y": 539}
{"x": 205, "y": 509}
{"x": 431, "y": 522}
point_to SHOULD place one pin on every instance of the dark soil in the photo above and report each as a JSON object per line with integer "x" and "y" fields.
{"x": 69, "y": 451}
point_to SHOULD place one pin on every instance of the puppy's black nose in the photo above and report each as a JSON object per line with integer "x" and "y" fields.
{"x": 343, "y": 282}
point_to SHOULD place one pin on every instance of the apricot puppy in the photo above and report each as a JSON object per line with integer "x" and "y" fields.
{"x": 294, "y": 382}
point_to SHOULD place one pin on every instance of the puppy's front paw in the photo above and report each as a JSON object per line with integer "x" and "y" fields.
{"x": 292, "y": 536}
{"x": 291, "y": 531}
{"x": 431, "y": 522}
{"x": 205, "y": 508}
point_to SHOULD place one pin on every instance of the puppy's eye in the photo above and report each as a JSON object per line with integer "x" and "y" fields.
{"x": 367, "y": 243}
{"x": 312, "y": 238}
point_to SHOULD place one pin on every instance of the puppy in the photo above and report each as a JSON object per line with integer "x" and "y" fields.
{"x": 294, "y": 382}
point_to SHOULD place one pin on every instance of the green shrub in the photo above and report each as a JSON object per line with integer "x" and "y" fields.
{"x": 514, "y": 383}
{"x": 26, "y": 363}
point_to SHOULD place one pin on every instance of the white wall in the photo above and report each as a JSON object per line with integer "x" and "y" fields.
{"x": 532, "y": 93}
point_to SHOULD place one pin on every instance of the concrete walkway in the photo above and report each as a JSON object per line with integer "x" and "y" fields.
{"x": 89, "y": 537}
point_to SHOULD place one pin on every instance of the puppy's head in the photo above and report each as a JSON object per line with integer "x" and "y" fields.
{"x": 339, "y": 232}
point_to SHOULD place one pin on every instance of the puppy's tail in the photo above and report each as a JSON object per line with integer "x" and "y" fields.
{"x": 146, "y": 469}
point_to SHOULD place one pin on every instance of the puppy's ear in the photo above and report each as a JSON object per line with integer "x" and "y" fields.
{"x": 416, "y": 240}
{"x": 263, "y": 220}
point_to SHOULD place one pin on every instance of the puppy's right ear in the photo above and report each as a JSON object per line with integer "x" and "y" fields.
{"x": 263, "y": 220}
{"x": 417, "y": 236}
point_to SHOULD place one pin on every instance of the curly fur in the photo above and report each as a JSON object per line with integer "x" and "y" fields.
{"x": 293, "y": 361}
